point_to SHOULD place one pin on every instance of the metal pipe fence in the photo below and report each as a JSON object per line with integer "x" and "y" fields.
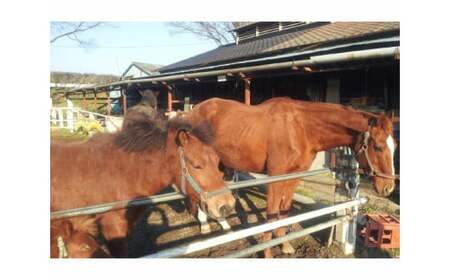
{"x": 232, "y": 236}
{"x": 104, "y": 207}
{"x": 288, "y": 237}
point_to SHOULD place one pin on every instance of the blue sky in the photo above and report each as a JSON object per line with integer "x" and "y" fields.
{"x": 117, "y": 44}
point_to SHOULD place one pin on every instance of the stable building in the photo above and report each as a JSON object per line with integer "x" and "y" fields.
{"x": 352, "y": 63}
{"x": 344, "y": 62}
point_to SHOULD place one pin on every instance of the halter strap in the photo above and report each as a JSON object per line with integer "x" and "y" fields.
{"x": 185, "y": 175}
{"x": 364, "y": 149}
{"x": 62, "y": 249}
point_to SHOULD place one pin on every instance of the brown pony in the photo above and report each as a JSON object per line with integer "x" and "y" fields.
{"x": 283, "y": 135}
{"x": 140, "y": 160}
{"x": 76, "y": 238}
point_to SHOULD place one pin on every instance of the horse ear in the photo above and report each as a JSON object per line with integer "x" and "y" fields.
{"x": 182, "y": 137}
{"x": 66, "y": 229}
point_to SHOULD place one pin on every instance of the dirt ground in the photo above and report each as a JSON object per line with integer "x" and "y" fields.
{"x": 169, "y": 225}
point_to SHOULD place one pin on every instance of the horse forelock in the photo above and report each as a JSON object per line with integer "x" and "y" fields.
{"x": 385, "y": 124}
{"x": 86, "y": 224}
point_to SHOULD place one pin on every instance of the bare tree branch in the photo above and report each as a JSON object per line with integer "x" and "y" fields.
{"x": 71, "y": 30}
{"x": 216, "y": 31}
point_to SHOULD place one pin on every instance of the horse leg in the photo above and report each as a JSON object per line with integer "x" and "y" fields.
{"x": 285, "y": 206}
{"x": 273, "y": 208}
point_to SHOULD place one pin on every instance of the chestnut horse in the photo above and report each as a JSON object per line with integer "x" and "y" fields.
{"x": 143, "y": 158}
{"x": 283, "y": 135}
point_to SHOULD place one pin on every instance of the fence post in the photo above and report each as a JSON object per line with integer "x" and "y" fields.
{"x": 60, "y": 117}
{"x": 345, "y": 232}
{"x": 54, "y": 116}
{"x": 347, "y": 172}
{"x": 70, "y": 115}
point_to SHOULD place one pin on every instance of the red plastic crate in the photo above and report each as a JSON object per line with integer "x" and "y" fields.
{"x": 382, "y": 231}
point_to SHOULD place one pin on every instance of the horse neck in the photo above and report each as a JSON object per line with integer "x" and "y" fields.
{"x": 334, "y": 125}
{"x": 148, "y": 172}
{"x": 158, "y": 170}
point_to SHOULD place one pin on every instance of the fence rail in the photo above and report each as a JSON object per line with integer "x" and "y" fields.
{"x": 219, "y": 240}
{"x": 101, "y": 208}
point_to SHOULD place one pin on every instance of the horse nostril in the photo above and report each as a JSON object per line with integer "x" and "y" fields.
{"x": 225, "y": 210}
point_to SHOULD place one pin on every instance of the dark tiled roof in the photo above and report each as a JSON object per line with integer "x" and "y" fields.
{"x": 239, "y": 24}
{"x": 276, "y": 43}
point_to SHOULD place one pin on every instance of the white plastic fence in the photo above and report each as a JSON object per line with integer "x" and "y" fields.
{"x": 68, "y": 117}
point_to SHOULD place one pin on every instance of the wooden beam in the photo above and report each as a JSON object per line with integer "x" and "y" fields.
{"x": 83, "y": 104}
{"x": 124, "y": 97}
{"x": 95, "y": 102}
{"x": 247, "y": 91}
{"x": 108, "y": 106}
{"x": 169, "y": 99}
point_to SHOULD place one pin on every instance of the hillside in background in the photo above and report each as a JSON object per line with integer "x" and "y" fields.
{"x": 81, "y": 78}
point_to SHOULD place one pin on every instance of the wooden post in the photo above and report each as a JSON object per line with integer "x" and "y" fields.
{"x": 247, "y": 92}
{"x": 108, "y": 108}
{"x": 84, "y": 101}
{"x": 95, "y": 101}
{"x": 124, "y": 98}
{"x": 169, "y": 98}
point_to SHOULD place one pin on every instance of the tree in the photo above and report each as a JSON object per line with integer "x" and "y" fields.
{"x": 72, "y": 30}
{"x": 217, "y": 31}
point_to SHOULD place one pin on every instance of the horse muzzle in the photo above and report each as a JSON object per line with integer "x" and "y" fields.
{"x": 221, "y": 206}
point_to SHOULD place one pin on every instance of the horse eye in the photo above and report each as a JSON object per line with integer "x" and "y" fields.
{"x": 196, "y": 166}
{"x": 378, "y": 148}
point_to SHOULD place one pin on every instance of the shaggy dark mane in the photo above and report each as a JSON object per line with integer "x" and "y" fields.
{"x": 141, "y": 132}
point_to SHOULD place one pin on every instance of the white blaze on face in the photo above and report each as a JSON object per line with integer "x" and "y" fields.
{"x": 391, "y": 147}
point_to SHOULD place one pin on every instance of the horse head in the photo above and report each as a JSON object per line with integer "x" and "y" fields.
{"x": 197, "y": 171}
{"x": 76, "y": 239}
{"x": 149, "y": 98}
{"x": 375, "y": 152}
